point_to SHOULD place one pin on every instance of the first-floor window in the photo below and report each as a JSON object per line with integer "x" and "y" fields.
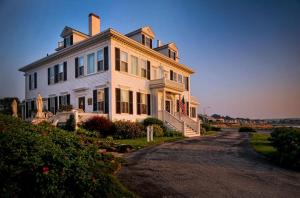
{"x": 100, "y": 100}
{"x": 143, "y": 103}
{"x": 180, "y": 78}
{"x": 193, "y": 112}
{"x": 124, "y": 101}
{"x": 52, "y": 104}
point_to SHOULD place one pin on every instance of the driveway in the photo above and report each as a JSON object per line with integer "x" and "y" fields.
{"x": 218, "y": 166}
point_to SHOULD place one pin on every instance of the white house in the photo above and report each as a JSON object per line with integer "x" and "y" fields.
{"x": 119, "y": 76}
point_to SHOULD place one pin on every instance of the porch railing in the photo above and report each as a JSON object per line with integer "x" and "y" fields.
{"x": 195, "y": 125}
{"x": 176, "y": 123}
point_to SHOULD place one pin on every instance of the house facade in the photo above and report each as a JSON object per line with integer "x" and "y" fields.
{"x": 119, "y": 76}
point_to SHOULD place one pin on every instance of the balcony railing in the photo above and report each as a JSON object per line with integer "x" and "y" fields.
{"x": 166, "y": 83}
{"x": 60, "y": 44}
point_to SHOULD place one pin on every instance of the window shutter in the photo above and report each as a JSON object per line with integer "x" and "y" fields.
{"x": 130, "y": 102}
{"x": 68, "y": 99}
{"x": 95, "y": 100}
{"x": 26, "y": 106}
{"x": 118, "y": 100}
{"x": 48, "y": 104}
{"x": 143, "y": 39}
{"x": 117, "y": 57}
{"x": 187, "y": 108}
{"x": 32, "y": 105}
{"x": 56, "y": 73}
{"x": 71, "y": 40}
{"x": 35, "y": 80}
{"x": 171, "y": 74}
{"x": 187, "y": 84}
{"x": 76, "y": 67}
{"x": 148, "y": 70}
{"x": 48, "y": 76}
{"x": 138, "y": 103}
{"x": 29, "y": 82}
{"x": 65, "y": 42}
{"x": 65, "y": 71}
{"x": 59, "y": 101}
{"x": 56, "y": 106}
{"x": 151, "y": 43}
{"x": 177, "y": 106}
{"x": 169, "y": 53}
{"x": 149, "y": 104}
{"x": 174, "y": 56}
{"x": 106, "y": 58}
{"x": 106, "y": 100}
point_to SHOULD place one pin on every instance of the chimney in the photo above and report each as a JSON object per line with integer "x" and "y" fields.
{"x": 158, "y": 43}
{"x": 94, "y": 24}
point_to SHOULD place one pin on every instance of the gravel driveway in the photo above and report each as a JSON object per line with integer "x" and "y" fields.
{"x": 218, "y": 166}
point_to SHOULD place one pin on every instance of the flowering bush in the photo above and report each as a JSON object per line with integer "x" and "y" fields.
{"x": 43, "y": 161}
{"x": 157, "y": 130}
{"x": 127, "y": 129}
{"x": 99, "y": 124}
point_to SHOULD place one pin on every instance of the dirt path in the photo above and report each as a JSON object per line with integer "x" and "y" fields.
{"x": 219, "y": 166}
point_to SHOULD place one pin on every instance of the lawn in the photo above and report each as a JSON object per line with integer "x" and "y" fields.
{"x": 209, "y": 133}
{"x": 139, "y": 143}
{"x": 261, "y": 144}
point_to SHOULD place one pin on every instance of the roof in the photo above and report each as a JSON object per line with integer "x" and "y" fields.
{"x": 146, "y": 30}
{"x": 67, "y": 30}
{"x": 105, "y": 35}
{"x": 171, "y": 45}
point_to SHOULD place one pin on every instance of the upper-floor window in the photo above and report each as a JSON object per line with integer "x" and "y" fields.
{"x": 154, "y": 74}
{"x": 57, "y": 73}
{"x": 186, "y": 83}
{"x": 100, "y": 60}
{"x": 146, "y": 41}
{"x": 134, "y": 65}
{"x": 32, "y": 81}
{"x": 124, "y": 61}
{"x": 172, "y": 54}
{"x": 61, "y": 72}
{"x": 51, "y": 76}
{"x": 175, "y": 76}
{"x": 143, "y": 68}
{"x": 180, "y": 78}
{"x": 80, "y": 66}
{"x": 90, "y": 63}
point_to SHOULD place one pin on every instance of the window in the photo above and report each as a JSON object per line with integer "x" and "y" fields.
{"x": 186, "y": 83}
{"x": 148, "y": 42}
{"x": 172, "y": 54}
{"x": 68, "y": 41}
{"x": 64, "y": 100}
{"x": 143, "y": 68}
{"x": 143, "y": 103}
{"x": 124, "y": 101}
{"x": 52, "y": 75}
{"x": 100, "y": 100}
{"x": 193, "y": 112}
{"x": 175, "y": 76}
{"x": 134, "y": 65}
{"x": 124, "y": 61}
{"x": 61, "y": 72}
{"x": 100, "y": 60}
{"x": 81, "y": 66}
{"x": 52, "y": 104}
{"x": 179, "y": 78}
{"x": 90, "y": 63}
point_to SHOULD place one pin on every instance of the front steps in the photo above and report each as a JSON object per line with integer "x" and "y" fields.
{"x": 189, "y": 132}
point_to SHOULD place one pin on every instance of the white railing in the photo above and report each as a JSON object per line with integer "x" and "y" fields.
{"x": 177, "y": 124}
{"x": 195, "y": 125}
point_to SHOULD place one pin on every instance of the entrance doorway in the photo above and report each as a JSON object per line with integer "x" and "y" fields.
{"x": 168, "y": 106}
{"x": 81, "y": 103}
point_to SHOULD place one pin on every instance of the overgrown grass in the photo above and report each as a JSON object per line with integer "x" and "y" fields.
{"x": 210, "y": 133}
{"x": 261, "y": 144}
{"x": 139, "y": 143}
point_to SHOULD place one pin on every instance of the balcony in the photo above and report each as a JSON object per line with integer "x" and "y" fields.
{"x": 166, "y": 83}
{"x": 60, "y": 45}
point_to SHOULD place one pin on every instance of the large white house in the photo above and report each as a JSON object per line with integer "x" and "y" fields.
{"x": 119, "y": 76}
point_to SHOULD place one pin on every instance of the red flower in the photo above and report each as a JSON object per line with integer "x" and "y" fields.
{"x": 45, "y": 170}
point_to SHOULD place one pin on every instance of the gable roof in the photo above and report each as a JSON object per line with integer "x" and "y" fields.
{"x": 171, "y": 45}
{"x": 68, "y": 30}
{"x": 146, "y": 30}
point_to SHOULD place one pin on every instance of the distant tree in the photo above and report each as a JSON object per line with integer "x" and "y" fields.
{"x": 5, "y": 105}
{"x": 216, "y": 116}
{"x": 228, "y": 118}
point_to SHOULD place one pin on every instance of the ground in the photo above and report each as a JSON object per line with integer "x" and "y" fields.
{"x": 222, "y": 165}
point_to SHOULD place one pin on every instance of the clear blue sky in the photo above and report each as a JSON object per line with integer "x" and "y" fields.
{"x": 246, "y": 53}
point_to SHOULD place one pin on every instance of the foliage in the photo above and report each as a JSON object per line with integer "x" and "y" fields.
{"x": 287, "y": 143}
{"x": 86, "y": 133}
{"x": 172, "y": 133}
{"x": 99, "y": 124}
{"x": 261, "y": 144}
{"x": 43, "y": 161}
{"x": 202, "y": 130}
{"x": 70, "y": 124}
{"x": 151, "y": 120}
{"x": 65, "y": 108}
{"x": 157, "y": 131}
{"x": 246, "y": 129}
{"x": 209, "y": 127}
{"x": 127, "y": 129}
{"x": 6, "y": 102}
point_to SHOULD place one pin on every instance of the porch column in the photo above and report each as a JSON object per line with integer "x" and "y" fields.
{"x": 164, "y": 104}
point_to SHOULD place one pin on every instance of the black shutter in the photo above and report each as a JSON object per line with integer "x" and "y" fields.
{"x": 49, "y": 76}
{"x": 49, "y": 104}
{"x": 187, "y": 84}
{"x": 118, "y": 100}
{"x": 130, "y": 102}
{"x": 106, "y": 100}
{"x": 151, "y": 43}
{"x": 68, "y": 99}
{"x": 56, "y": 73}
{"x": 143, "y": 39}
{"x": 117, "y": 56}
{"x": 149, "y": 104}
{"x": 32, "y": 105}
{"x": 187, "y": 108}
{"x": 65, "y": 42}
{"x": 26, "y": 113}
{"x": 95, "y": 100}
{"x": 177, "y": 106}
{"x": 169, "y": 53}
{"x": 71, "y": 40}
{"x": 29, "y": 81}
{"x": 76, "y": 67}
{"x": 65, "y": 71}
{"x": 59, "y": 101}
{"x": 55, "y": 106}
{"x": 171, "y": 74}
{"x": 148, "y": 70}
{"x": 106, "y": 58}
{"x": 35, "y": 80}
{"x": 138, "y": 103}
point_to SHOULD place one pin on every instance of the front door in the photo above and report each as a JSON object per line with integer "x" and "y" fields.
{"x": 168, "y": 106}
{"x": 81, "y": 103}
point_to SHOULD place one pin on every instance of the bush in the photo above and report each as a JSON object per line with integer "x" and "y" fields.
{"x": 70, "y": 124}
{"x": 157, "y": 131}
{"x": 151, "y": 121}
{"x": 246, "y": 129}
{"x": 172, "y": 133}
{"x": 287, "y": 143}
{"x": 206, "y": 126}
{"x": 86, "y": 133}
{"x": 214, "y": 128}
{"x": 203, "y": 131}
{"x": 127, "y": 130}
{"x": 99, "y": 124}
{"x": 43, "y": 161}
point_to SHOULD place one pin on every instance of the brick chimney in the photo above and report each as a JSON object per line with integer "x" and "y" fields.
{"x": 94, "y": 24}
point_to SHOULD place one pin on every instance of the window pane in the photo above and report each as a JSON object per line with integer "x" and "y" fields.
{"x": 90, "y": 63}
{"x": 124, "y": 95}
{"x": 80, "y": 61}
{"x": 100, "y": 55}
{"x": 124, "y": 56}
{"x": 61, "y": 68}
{"x": 134, "y": 65}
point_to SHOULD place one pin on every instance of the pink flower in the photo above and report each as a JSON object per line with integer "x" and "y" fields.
{"x": 45, "y": 170}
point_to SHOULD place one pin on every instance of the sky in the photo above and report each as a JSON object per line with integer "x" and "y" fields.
{"x": 246, "y": 54}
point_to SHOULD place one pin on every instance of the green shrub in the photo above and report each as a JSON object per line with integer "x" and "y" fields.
{"x": 172, "y": 133}
{"x": 287, "y": 143}
{"x": 43, "y": 161}
{"x": 203, "y": 131}
{"x": 246, "y": 129}
{"x": 70, "y": 124}
{"x": 206, "y": 126}
{"x": 86, "y": 133}
{"x": 214, "y": 128}
{"x": 157, "y": 131}
{"x": 99, "y": 124}
{"x": 152, "y": 120}
{"x": 127, "y": 130}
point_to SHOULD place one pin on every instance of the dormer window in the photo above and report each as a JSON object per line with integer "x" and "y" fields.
{"x": 146, "y": 41}
{"x": 68, "y": 41}
{"x": 172, "y": 54}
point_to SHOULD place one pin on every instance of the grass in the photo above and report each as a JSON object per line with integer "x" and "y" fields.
{"x": 139, "y": 143}
{"x": 209, "y": 133}
{"x": 261, "y": 144}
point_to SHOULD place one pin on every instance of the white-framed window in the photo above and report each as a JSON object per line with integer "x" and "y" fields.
{"x": 148, "y": 42}
{"x": 175, "y": 76}
{"x": 51, "y": 75}
{"x": 68, "y": 41}
{"x": 100, "y": 100}
{"x": 52, "y": 104}
{"x": 124, "y": 61}
{"x": 143, "y": 103}
{"x": 81, "y": 66}
{"x": 90, "y": 63}
{"x": 180, "y": 79}
{"x": 100, "y": 60}
{"x": 60, "y": 72}
{"x": 193, "y": 112}
{"x": 124, "y": 101}
{"x": 143, "y": 67}
{"x": 134, "y": 65}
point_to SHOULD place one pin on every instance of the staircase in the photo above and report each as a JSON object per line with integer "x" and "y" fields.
{"x": 184, "y": 124}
